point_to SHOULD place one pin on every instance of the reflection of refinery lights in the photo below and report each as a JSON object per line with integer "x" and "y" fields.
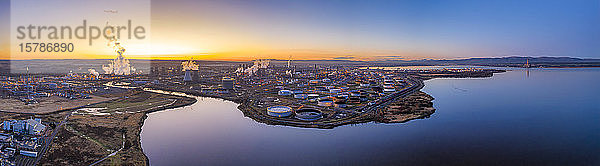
{"x": 120, "y": 65}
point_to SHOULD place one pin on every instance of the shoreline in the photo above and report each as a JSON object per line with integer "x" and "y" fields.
{"x": 374, "y": 116}
{"x": 255, "y": 115}
{"x": 145, "y": 116}
{"x": 246, "y": 111}
{"x": 249, "y": 112}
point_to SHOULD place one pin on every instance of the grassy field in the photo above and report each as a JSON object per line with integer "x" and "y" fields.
{"x": 88, "y": 138}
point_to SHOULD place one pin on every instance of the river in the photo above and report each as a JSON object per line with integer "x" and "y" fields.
{"x": 520, "y": 117}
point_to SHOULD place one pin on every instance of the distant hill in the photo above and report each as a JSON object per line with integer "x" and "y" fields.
{"x": 512, "y": 61}
{"x": 519, "y": 60}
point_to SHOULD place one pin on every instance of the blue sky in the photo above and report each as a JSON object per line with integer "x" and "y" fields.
{"x": 423, "y": 29}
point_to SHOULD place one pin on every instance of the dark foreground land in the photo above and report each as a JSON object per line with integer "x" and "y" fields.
{"x": 88, "y": 138}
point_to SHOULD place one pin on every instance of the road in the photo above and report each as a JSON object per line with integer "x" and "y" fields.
{"x": 415, "y": 85}
{"x": 112, "y": 154}
{"x": 49, "y": 139}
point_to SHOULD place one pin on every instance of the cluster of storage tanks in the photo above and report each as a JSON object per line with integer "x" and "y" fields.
{"x": 305, "y": 114}
{"x": 344, "y": 96}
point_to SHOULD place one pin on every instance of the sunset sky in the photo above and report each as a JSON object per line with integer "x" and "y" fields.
{"x": 361, "y": 30}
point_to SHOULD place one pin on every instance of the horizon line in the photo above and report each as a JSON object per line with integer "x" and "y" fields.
{"x": 349, "y": 60}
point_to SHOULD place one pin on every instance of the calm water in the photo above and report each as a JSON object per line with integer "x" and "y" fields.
{"x": 551, "y": 117}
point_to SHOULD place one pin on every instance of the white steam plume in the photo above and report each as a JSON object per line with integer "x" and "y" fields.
{"x": 94, "y": 72}
{"x": 258, "y": 64}
{"x": 189, "y": 65}
{"x": 120, "y": 65}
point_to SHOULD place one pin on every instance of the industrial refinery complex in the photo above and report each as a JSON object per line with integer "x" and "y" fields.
{"x": 304, "y": 94}
{"x": 21, "y": 140}
{"x": 318, "y": 96}
{"x": 276, "y": 92}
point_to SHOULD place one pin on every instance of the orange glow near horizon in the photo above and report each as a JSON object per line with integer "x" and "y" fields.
{"x": 176, "y": 52}
{"x": 223, "y": 37}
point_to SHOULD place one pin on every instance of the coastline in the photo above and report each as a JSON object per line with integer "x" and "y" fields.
{"x": 145, "y": 116}
{"x": 248, "y": 112}
{"x": 418, "y": 121}
{"x": 258, "y": 116}
{"x": 141, "y": 124}
{"x": 375, "y": 116}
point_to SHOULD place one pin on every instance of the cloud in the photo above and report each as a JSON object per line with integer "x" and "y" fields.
{"x": 343, "y": 57}
{"x": 392, "y": 56}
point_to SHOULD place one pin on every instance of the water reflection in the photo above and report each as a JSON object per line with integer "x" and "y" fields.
{"x": 550, "y": 118}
